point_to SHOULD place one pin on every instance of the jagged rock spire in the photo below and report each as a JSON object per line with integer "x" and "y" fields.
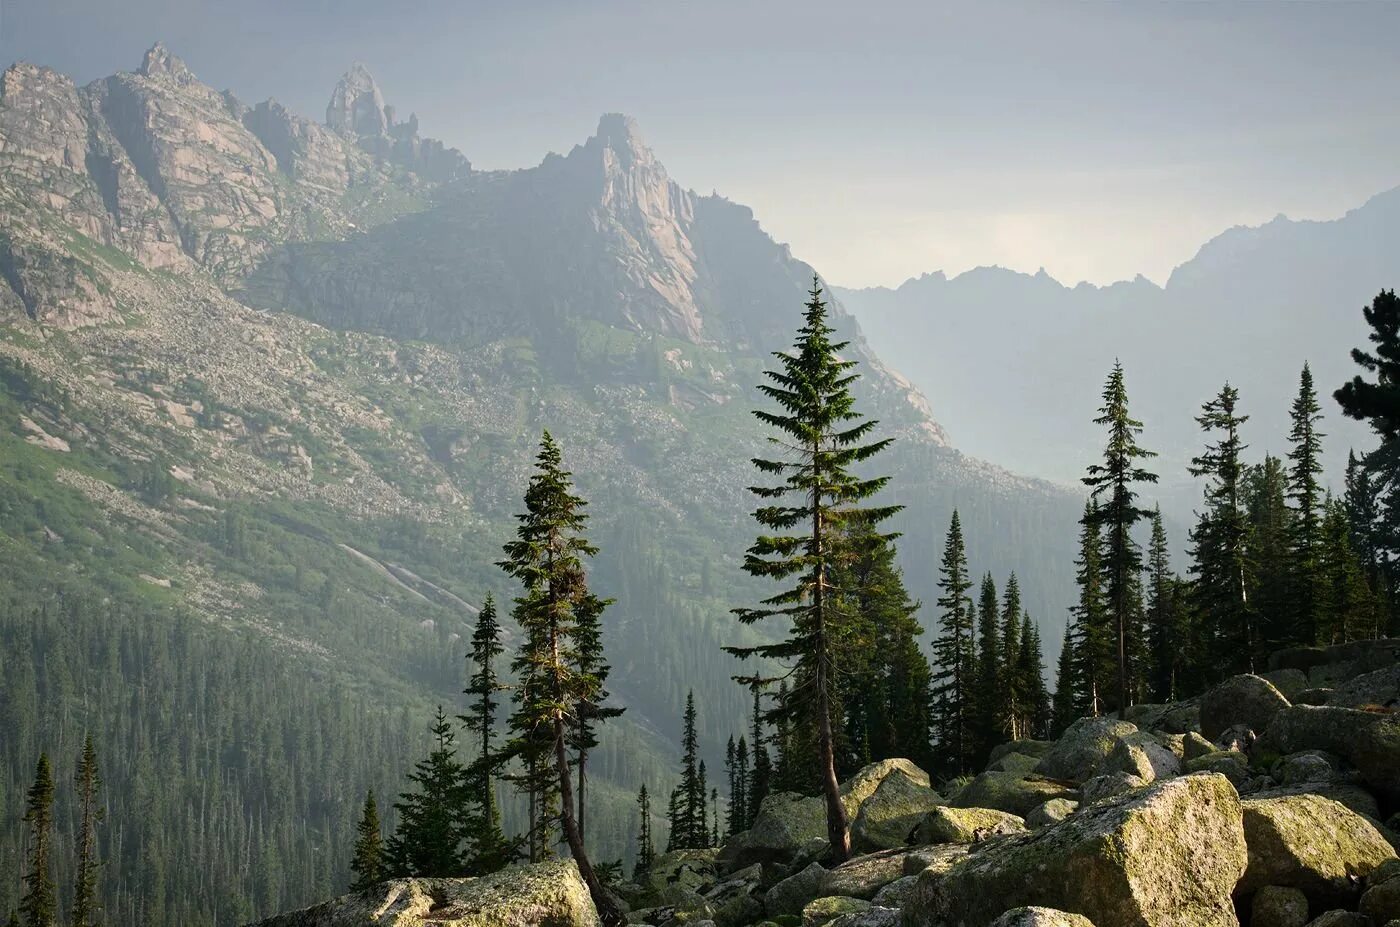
{"x": 357, "y": 105}
{"x": 159, "y": 62}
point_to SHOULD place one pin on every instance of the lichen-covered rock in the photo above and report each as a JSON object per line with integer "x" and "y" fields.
{"x": 525, "y": 896}
{"x": 784, "y": 823}
{"x": 1082, "y": 747}
{"x": 1318, "y": 695}
{"x": 1380, "y": 688}
{"x": 869, "y": 778}
{"x": 876, "y": 916}
{"x": 1278, "y": 906}
{"x": 1020, "y": 763}
{"x": 1307, "y": 766}
{"x": 1025, "y": 747}
{"x": 1137, "y": 860}
{"x": 1142, "y": 755}
{"x": 792, "y": 894}
{"x": 738, "y": 900}
{"x": 863, "y": 876}
{"x": 1051, "y": 812}
{"x": 1381, "y": 903}
{"x": 1353, "y": 796}
{"x": 1171, "y": 718}
{"x": 1290, "y": 681}
{"x": 892, "y": 811}
{"x": 1010, "y": 792}
{"x": 1103, "y": 788}
{"x": 896, "y": 893}
{"x": 824, "y": 910}
{"x": 1340, "y": 918}
{"x": 1228, "y": 763}
{"x": 681, "y": 872}
{"x": 1040, "y": 917}
{"x": 939, "y": 857}
{"x": 1194, "y": 745}
{"x": 1247, "y": 699}
{"x": 1310, "y": 843}
{"x": 1367, "y": 740}
{"x": 966, "y": 825}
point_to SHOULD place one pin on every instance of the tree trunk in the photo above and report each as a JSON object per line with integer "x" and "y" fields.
{"x": 838, "y": 834}
{"x": 608, "y": 911}
{"x": 582, "y": 780}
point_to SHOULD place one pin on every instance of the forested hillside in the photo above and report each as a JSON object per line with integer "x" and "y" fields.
{"x": 254, "y": 539}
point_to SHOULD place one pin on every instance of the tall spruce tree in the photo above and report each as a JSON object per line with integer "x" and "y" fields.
{"x": 817, "y": 498}
{"x": 589, "y": 664}
{"x": 1093, "y": 645}
{"x": 1035, "y": 708}
{"x": 988, "y": 682}
{"x": 428, "y": 841}
{"x": 1064, "y": 707}
{"x": 1348, "y": 607}
{"x": 954, "y": 657}
{"x": 39, "y": 904}
{"x": 1168, "y": 647}
{"x": 1227, "y": 627}
{"x": 688, "y": 829}
{"x": 88, "y": 781}
{"x": 1012, "y": 702}
{"x": 547, "y": 557}
{"x": 645, "y": 850}
{"x": 1377, "y": 402}
{"x": 1112, "y": 484}
{"x": 761, "y": 770}
{"x": 367, "y": 861}
{"x": 1305, "y": 490}
{"x": 1270, "y": 532}
{"x": 490, "y": 850}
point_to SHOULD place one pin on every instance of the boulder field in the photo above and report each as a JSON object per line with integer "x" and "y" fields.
{"x": 1240, "y": 808}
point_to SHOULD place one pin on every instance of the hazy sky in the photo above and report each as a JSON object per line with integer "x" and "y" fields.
{"x": 881, "y": 140}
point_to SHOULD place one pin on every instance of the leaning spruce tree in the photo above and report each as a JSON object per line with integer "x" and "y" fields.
{"x": 817, "y": 497}
{"x": 547, "y": 557}
{"x": 1112, "y": 484}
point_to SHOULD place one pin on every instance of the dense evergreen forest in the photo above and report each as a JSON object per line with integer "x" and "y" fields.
{"x": 132, "y": 737}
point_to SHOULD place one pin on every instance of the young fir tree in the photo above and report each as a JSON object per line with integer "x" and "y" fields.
{"x": 428, "y": 841}
{"x": 88, "y": 781}
{"x": 1064, "y": 707}
{"x": 547, "y": 557}
{"x": 761, "y": 770}
{"x": 645, "y": 851}
{"x": 1093, "y": 656}
{"x": 953, "y": 654}
{"x": 817, "y": 498}
{"x": 367, "y": 862}
{"x": 39, "y": 905}
{"x": 1228, "y": 629}
{"x": 703, "y": 824}
{"x": 490, "y": 850}
{"x": 1305, "y": 490}
{"x": 687, "y": 823}
{"x": 1011, "y": 702}
{"x": 1168, "y": 646}
{"x": 1270, "y": 533}
{"x": 1112, "y": 484}
{"x": 987, "y": 688}
{"x": 886, "y": 692}
{"x": 739, "y": 802}
{"x": 1377, "y": 402}
{"x": 1035, "y": 716}
{"x": 589, "y": 663}
{"x": 714, "y": 817}
{"x": 1348, "y": 607}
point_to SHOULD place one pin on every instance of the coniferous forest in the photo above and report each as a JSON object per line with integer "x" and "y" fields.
{"x": 370, "y": 511}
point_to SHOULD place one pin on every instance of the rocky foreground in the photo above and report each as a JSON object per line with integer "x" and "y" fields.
{"x": 1271, "y": 801}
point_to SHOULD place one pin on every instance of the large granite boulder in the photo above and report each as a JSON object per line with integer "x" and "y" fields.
{"x": 1081, "y": 748}
{"x": 1310, "y": 843}
{"x": 680, "y": 873}
{"x": 825, "y": 910}
{"x": 738, "y": 900}
{"x": 1278, "y": 906}
{"x": 1102, "y": 788}
{"x": 1142, "y": 755}
{"x": 1369, "y": 741}
{"x": 1378, "y": 689}
{"x": 792, "y": 894}
{"x": 549, "y": 893}
{"x": 1249, "y": 700}
{"x": 1052, "y": 812}
{"x": 1137, "y": 860}
{"x": 892, "y": 811}
{"x": 785, "y": 822}
{"x": 1010, "y": 792}
{"x": 1024, "y": 747}
{"x": 863, "y": 876}
{"x": 1040, "y": 917}
{"x": 966, "y": 825}
{"x": 1353, "y": 796}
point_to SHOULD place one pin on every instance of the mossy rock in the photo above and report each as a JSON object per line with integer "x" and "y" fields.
{"x": 1312, "y": 844}
{"x": 1142, "y": 755}
{"x": 1245, "y": 699}
{"x": 1369, "y": 741}
{"x": 966, "y": 825}
{"x": 863, "y": 876}
{"x": 1013, "y": 793}
{"x": 1051, "y": 812}
{"x": 1041, "y": 917}
{"x": 1082, "y": 747}
{"x": 892, "y": 811}
{"x": 1134, "y": 860}
{"x": 824, "y": 910}
{"x": 1278, "y": 906}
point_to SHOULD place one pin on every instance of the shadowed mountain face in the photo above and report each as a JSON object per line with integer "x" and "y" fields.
{"x": 279, "y": 384}
{"x": 1013, "y": 364}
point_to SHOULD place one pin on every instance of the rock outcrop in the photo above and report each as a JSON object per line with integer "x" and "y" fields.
{"x": 543, "y": 895}
{"x": 1312, "y": 844}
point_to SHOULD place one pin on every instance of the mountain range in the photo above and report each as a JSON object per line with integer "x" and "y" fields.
{"x": 271, "y": 391}
{"x": 1013, "y": 363}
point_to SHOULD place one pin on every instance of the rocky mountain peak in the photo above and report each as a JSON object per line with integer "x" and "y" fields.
{"x": 619, "y": 134}
{"x": 357, "y": 105}
{"x": 160, "y": 63}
